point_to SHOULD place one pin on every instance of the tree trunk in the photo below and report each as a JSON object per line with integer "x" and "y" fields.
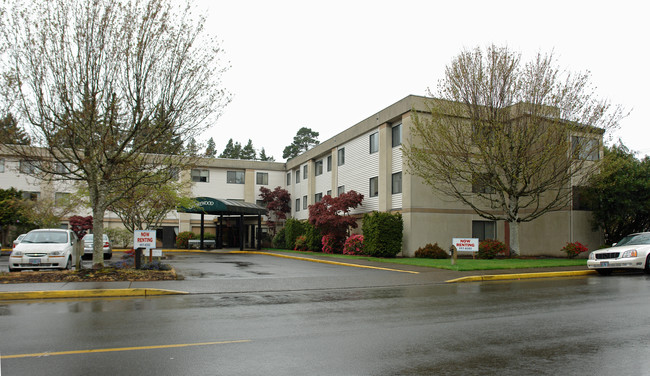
{"x": 514, "y": 237}
{"x": 98, "y": 237}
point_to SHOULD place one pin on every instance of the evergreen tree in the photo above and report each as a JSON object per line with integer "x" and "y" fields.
{"x": 11, "y": 133}
{"x": 263, "y": 156}
{"x": 248, "y": 152}
{"x": 192, "y": 147}
{"x": 304, "y": 140}
{"x": 211, "y": 150}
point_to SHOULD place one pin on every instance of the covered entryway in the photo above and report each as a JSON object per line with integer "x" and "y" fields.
{"x": 235, "y": 213}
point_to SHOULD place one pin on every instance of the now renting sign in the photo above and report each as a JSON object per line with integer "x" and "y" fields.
{"x": 144, "y": 239}
{"x": 466, "y": 244}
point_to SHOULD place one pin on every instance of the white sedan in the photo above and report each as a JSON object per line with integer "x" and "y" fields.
{"x": 632, "y": 252}
{"x": 43, "y": 249}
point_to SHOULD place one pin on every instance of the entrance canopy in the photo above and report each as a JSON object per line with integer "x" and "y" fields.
{"x": 221, "y": 207}
{"x": 218, "y": 206}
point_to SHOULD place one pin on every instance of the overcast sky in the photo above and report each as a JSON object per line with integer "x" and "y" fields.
{"x": 328, "y": 65}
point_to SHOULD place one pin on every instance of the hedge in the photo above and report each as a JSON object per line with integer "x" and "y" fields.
{"x": 382, "y": 234}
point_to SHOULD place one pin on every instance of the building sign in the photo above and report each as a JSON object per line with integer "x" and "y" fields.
{"x": 153, "y": 252}
{"x": 144, "y": 239}
{"x": 466, "y": 244}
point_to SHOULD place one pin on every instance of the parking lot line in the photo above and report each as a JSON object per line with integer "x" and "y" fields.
{"x": 37, "y": 355}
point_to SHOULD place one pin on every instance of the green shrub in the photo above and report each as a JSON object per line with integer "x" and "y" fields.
{"x": 183, "y": 237}
{"x": 207, "y": 236}
{"x": 489, "y": 248}
{"x": 278, "y": 240}
{"x": 431, "y": 251}
{"x": 301, "y": 244}
{"x": 293, "y": 229}
{"x": 382, "y": 234}
{"x": 314, "y": 237}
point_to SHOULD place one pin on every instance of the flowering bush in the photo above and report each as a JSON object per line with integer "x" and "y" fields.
{"x": 301, "y": 244}
{"x": 353, "y": 245}
{"x": 183, "y": 237}
{"x": 574, "y": 249}
{"x": 331, "y": 244}
{"x": 489, "y": 248}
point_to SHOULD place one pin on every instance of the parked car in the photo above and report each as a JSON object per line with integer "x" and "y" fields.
{"x": 18, "y": 239}
{"x": 632, "y": 252}
{"x": 43, "y": 249}
{"x": 88, "y": 247}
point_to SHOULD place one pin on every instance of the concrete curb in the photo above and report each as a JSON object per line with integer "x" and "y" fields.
{"x": 500, "y": 277}
{"x": 94, "y": 293}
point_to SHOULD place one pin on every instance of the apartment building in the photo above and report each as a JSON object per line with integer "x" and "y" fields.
{"x": 367, "y": 158}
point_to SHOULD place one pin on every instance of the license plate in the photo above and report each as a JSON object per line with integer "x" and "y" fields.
{"x": 604, "y": 263}
{"x": 35, "y": 261}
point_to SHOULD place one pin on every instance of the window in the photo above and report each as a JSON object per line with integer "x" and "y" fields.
{"x": 484, "y": 230}
{"x": 318, "y": 197}
{"x": 374, "y": 187}
{"x": 318, "y": 167}
{"x": 585, "y": 148}
{"x": 262, "y": 178}
{"x": 304, "y": 202}
{"x": 329, "y": 163}
{"x": 61, "y": 168}
{"x": 329, "y": 192}
{"x": 297, "y": 204}
{"x": 340, "y": 190}
{"x": 374, "y": 143}
{"x": 2, "y": 165}
{"x": 235, "y": 177}
{"x": 202, "y": 176}
{"x": 289, "y": 178}
{"x": 297, "y": 176}
{"x": 396, "y": 135}
{"x": 579, "y": 202}
{"x": 32, "y": 196}
{"x": 482, "y": 184}
{"x": 260, "y": 203}
{"x": 304, "y": 172}
{"x": 341, "y": 161}
{"x": 396, "y": 182}
{"x": 61, "y": 198}
{"x": 27, "y": 167}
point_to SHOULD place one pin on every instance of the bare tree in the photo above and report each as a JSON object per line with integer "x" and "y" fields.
{"x": 110, "y": 91}
{"x": 509, "y": 139}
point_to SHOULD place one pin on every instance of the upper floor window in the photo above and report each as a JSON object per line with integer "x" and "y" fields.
{"x": 374, "y": 143}
{"x": 341, "y": 157}
{"x": 32, "y": 196}
{"x": 396, "y": 133}
{"x": 289, "y": 178}
{"x": 318, "y": 197}
{"x": 27, "y": 167}
{"x": 262, "y": 178}
{"x": 318, "y": 166}
{"x": 374, "y": 187}
{"x": 396, "y": 183}
{"x": 235, "y": 177}
{"x": 2, "y": 165}
{"x": 329, "y": 192}
{"x": 585, "y": 148}
{"x": 340, "y": 190}
{"x": 304, "y": 172}
{"x": 304, "y": 202}
{"x": 297, "y": 176}
{"x": 329, "y": 163}
{"x": 61, "y": 198}
{"x": 482, "y": 183}
{"x": 297, "y": 204}
{"x": 202, "y": 176}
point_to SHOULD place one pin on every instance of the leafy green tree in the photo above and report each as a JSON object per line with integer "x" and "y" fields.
{"x": 211, "y": 149}
{"x": 13, "y": 212}
{"x": 508, "y": 138}
{"x": 248, "y": 152}
{"x": 619, "y": 195}
{"x": 304, "y": 140}
{"x": 93, "y": 78}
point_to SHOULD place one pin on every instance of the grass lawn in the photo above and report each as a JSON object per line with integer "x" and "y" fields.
{"x": 462, "y": 264}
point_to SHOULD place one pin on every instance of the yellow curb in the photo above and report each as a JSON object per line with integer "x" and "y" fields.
{"x": 497, "y": 277}
{"x": 94, "y": 293}
{"x": 323, "y": 261}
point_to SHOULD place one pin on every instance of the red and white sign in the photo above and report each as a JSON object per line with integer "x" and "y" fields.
{"x": 466, "y": 244}
{"x": 144, "y": 239}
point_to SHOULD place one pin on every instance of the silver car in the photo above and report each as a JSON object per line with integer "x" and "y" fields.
{"x": 632, "y": 252}
{"x": 88, "y": 247}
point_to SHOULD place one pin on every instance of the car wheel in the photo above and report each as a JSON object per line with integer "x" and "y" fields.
{"x": 12, "y": 270}
{"x": 647, "y": 265}
{"x": 604, "y": 271}
{"x": 68, "y": 265}
{"x": 108, "y": 256}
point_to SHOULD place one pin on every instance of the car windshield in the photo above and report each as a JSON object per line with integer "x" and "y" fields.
{"x": 44, "y": 237}
{"x": 635, "y": 239}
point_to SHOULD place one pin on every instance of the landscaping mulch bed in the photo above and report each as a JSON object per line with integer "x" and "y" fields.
{"x": 89, "y": 275}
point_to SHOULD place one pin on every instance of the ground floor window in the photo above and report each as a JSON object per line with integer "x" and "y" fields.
{"x": 484, "y": 230}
